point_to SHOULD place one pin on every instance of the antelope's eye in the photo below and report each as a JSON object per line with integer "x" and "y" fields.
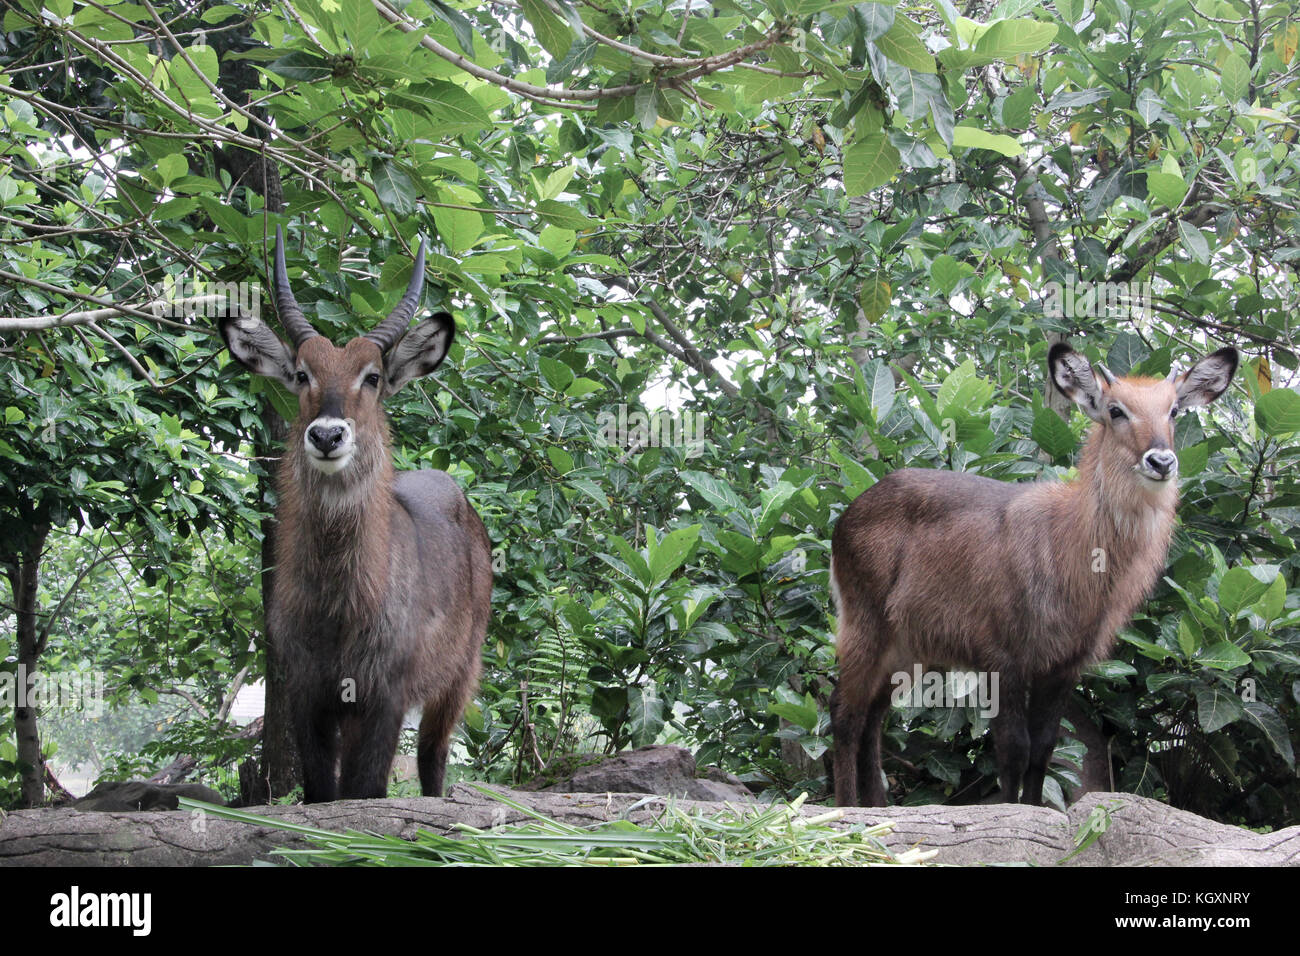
{"x": 302, "y": 378}
{"x": 1117, "y": 413}
{"x": 1173, "y": 412}
{"x": 373, "y": 379}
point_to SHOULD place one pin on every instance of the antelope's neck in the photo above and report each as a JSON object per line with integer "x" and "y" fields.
{"x": 1117, "y": 510}
{"x": 335, "y": 529}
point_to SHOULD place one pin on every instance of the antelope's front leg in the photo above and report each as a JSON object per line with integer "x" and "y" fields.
{"x": 369, "y": 742}
{"x": 317, "y": 730}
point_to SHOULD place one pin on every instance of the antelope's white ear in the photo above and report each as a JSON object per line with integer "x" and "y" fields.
{"x": 1072, "y": 374}
{"x": 420, "y": 350}
{"x": 258, "y": 349}
{"x": 1207, "y": 379}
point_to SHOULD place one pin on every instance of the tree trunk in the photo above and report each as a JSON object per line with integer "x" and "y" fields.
{"x": 277, "y": 771}
{"x": 1050, "y": 251}
{"x": 23, "y": 571}
{"x": 1138, "y": 831}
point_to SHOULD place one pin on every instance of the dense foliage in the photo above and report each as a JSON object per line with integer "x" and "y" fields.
{"x": 826, "y": 240}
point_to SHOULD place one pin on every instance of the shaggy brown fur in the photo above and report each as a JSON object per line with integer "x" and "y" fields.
{"x": 383, "y": 581}
{"x": 1030, "y": 581}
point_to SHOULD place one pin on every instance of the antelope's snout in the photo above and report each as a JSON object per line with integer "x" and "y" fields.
{"x": 329, "y": 443}
{"x": 1159, "y": 464}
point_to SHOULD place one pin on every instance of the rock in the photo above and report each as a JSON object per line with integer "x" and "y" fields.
{"x": 117, "y": 796}
{"x": 663, "y": 770}
{"x": 721, "y": 776}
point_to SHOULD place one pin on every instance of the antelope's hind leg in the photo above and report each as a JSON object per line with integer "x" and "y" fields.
{"x": 858, "y": 708}
{"x": 436, "y": 726}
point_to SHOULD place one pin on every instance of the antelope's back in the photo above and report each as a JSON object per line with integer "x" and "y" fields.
{"x": 453, "y": 555}
{"x": 927, "y": 552}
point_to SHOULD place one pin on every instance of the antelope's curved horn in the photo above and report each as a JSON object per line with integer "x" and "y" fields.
{"x": 390, "y": 330}
{"x": 1107, "y": 375}
{"x": 286, "y": 306}
{"x": 1173, "y": 372}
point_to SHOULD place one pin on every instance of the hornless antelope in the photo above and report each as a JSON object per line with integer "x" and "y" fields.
{"x": 383, "y": 580}
{"x": 1029, "y": 581}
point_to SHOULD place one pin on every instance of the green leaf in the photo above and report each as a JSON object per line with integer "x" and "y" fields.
{"x": 303, "y": 66}
{"x": 1125, "y": 353}
{"x": 882, "y": 392}
{"x": 1145, "y": 648}
{"x": 1239, "y": 588}
{"x": 172, "y": 167}
{"x": 869, "y": 163}
{"x": 1194, "y": 242}
{"x": 717, "y": 493}
{"x": 1052, "y": 434}
{"x": 1009, "y": 38}
{"x": 876, "y": 20}
{"x": 450, "y": 107}
{"x": 360, "y": 23}
{"x": 559, "y": 242}
{"x": 633, "y": 561}
{"x": 460, "y": 26}
{"x": 565, "y": 217}
{"x": 1149, "y": 105}
{"x": 972, "y": 138}
{"x": 874, "y": 298}
{"x": 458, "y": 228}
{"x": 1223, "y": 656}
{"x": 901, "y": 46}
{"x": 610, "y": 702}
{"x": 394, "y": 187}
{"x": 774, "y": 500}
{"x": 1190, "y": 635}
{"x": 1235, "y": 76}
{"x": 1166, "y": 189}
{"x": 645, "y": 105}
{"x": 582, "y": 386}
{"x": 1278, "y": 412}
{"x": 560, "y": 458}
{"x": 645, "y": 714}
{"x": 800, "y": 712}
{"x": 948, "y": 272}
{"x": 1274, "y": 729}
{"x": 1018, "y": 109}
{"x": 1193, "y": 459}
{"x": 283, "y": 401}
{"x": 963, "y": 391}
{"x": 558, "y": 375}
{"x": 667, "y": 556}
{"x": 1216, "y": 707}
{"x": 552, "y": 32}
{"x": 1273, "y": 603}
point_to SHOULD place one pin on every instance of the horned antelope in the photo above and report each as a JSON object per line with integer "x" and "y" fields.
{"x": 382, "y": 580}
{"x": 1029, "y": 581}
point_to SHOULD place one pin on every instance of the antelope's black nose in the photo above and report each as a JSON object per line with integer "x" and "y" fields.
{"x": 1161, "y": 460}
{"x": 325, "y": 437}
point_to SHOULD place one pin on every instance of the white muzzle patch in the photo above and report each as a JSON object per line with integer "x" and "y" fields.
{"x": 330, "y": 444}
